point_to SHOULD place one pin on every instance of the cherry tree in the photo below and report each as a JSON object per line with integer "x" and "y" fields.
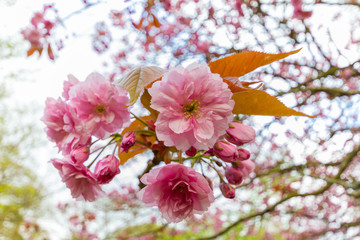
{"x": 194, "y": 67}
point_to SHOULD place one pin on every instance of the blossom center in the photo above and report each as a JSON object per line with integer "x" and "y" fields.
{"x": 192, "y": 109}
{"x": 180, "y": 187}
{"x": 100, "y": 109}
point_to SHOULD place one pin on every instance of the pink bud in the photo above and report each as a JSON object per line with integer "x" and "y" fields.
{"x": 234, "y": 175}
{"x": 226, "y": 151}
{"x": 227, "y": 190}
{"x": 239, "y": 134}
{"x": 127, "y": 141}
{"x": 106, "y": 169}
{"x": 209, "y": 152}
{"x": 243, "y": 154}
{"x": 191, "y": 152}
{"x": 248, "y": 167}
{"x": 80, "y": 155}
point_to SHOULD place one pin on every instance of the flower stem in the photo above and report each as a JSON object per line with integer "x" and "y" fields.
{"x": 180, "y": 157}
{"x": 139, "y": 119}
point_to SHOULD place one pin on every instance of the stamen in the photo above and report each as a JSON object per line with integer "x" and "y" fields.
{"x": 100, "y": 109}
{"x": 191, "y": 109}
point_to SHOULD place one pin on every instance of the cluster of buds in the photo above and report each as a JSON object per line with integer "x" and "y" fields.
{"x": 229, "y": 150}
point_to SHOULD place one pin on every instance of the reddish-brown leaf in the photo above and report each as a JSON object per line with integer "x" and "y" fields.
{"x": 50, "y": 52}
{"x": 239, "y": 64}
{"x": 145, "y": 100}
{"x": 156, "y": 21}
{"x": 31, "y": 51}
{"x": 256, "y": 102}
{"x": 236, "y": 86}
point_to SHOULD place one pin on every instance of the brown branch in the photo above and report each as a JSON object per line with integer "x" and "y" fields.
{"x": 333, "y": 92}
{"x": 344, "y": 164}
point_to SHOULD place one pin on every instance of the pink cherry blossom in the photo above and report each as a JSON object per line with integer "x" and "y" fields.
{"x": 79, "y": 179}
{"x": 69, "y": 84}
{"x": 127, "y": 141}
{"x": 62, "y": 126}
{"x": 239, "y": 133}
{"x": 101, "y": 105}
{"x": 194, "y": 107}
{"x": 106, "y": 169}
{"x": 177, "y": 190}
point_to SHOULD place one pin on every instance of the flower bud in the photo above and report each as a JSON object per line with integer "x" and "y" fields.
{"x": 227, "y": 190}
{"x": 106, "y": 169}
{"x": 239, "y": 134}
{"x": 127, "y": 141}
{"x": 234, "y": 175}
{"x": 248, "y": 167}
{"x": 243, "y": 154}
{"x": 226, "y": 151}
{"x": 209, "y": 152}
{"x": 191, "y": 151}
{"x": 80, "y": 155}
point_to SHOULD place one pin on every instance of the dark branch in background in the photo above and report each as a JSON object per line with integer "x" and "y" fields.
{"x": 336, "y": 180}
{"x": 86, "y": 7}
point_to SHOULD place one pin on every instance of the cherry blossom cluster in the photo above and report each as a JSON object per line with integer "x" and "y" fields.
{"x": 92, "y": 108}
{"x": 38, "y": 34}
{"x": 193, "y": 125}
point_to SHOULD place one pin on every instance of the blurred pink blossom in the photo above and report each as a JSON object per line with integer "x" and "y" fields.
{"x": 177, "y": 190}
{"x": 34, "y": 36}
{"x": 195, "y": 107}
{"x": 299, "y": 13}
